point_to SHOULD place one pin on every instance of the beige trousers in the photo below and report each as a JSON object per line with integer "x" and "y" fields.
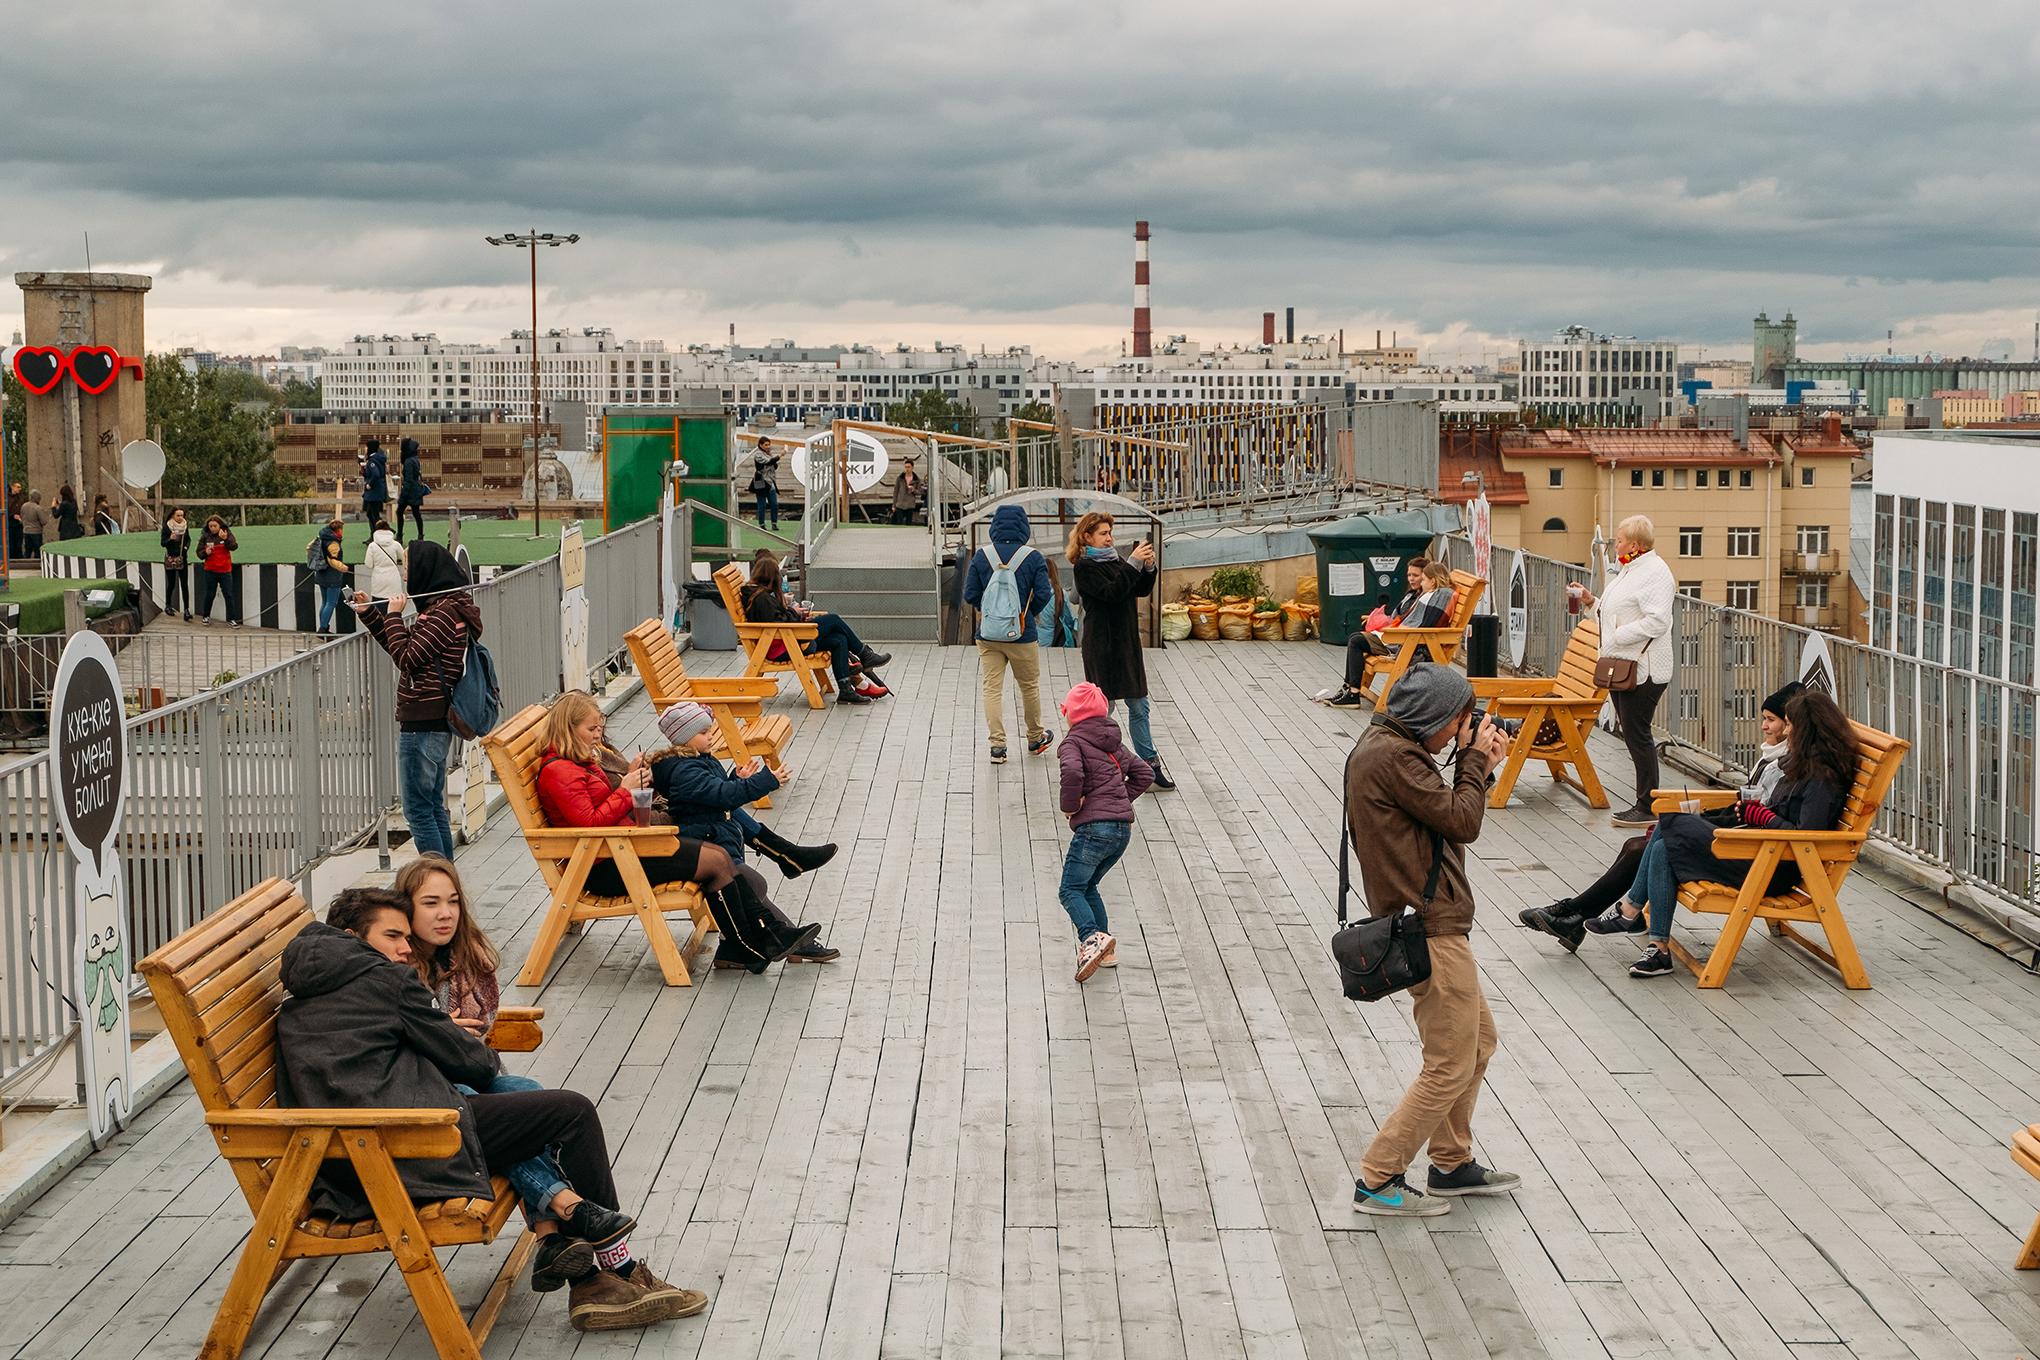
{"x": 1458, "y": 1036}
{"x": 1025, "y": 659}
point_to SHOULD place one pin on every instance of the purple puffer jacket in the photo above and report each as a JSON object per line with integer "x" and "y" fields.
{"x": 1101, "y": 776}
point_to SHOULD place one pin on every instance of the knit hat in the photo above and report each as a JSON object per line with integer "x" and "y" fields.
{"x": 1776, "y": 703}
{"x": 1084, "y": 701}
{"x": 1428, "y": 698}
{"x": 685, "y": 720}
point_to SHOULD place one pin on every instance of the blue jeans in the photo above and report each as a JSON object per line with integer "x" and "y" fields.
{"x": 768, "y": 497}
{"x": 421, "y": 775}
{"x": 1094, "y": 848}
{"x": 329, "y": 604}
{"x": 535, "y": 1179}
{"x": 1137, "y": 725}
{"x": 1656, "y": 888}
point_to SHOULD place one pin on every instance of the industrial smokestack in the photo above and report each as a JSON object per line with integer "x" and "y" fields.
{"x": 1267, "y": 328}
{"x": 1289, "y": 326}
{"x": 1142, "y": 328}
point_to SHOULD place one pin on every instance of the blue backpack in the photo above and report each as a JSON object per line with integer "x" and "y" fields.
{"x": 476, "y": 700}
{"x": 1002, "y": 613}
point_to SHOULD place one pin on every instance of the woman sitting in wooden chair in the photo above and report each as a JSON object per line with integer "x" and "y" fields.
{"x": 850, "y": 659}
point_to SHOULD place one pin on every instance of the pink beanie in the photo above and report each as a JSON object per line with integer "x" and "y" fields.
{"x": 1084, "y": 701}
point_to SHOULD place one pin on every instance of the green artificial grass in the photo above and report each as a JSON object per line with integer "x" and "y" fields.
{"x": 489, "y": 542}
{"x": 42, "y": 600}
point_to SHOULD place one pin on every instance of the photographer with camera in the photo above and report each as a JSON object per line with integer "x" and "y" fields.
{"x": 1408, "y": 825}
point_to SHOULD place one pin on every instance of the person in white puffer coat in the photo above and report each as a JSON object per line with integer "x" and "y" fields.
{"x": 1635, "y": 612}
{"x": 384, "y": 560}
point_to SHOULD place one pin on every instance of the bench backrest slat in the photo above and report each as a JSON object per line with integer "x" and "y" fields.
{"x": 1576, "y": 667}
{"x": 517, "y": 748}
{"x": 731, "y": 580}
{"x": 1467, "y": 590}
{"x": 658, "y": 663}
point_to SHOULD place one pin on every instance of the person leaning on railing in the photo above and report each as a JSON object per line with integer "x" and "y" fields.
{"x": 1635, "y": 612}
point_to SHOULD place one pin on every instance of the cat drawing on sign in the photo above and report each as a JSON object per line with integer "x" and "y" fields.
{"x": 103, "y": 1008}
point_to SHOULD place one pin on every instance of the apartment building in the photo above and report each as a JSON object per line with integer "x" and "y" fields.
{"x": 1604, "y": 379}
{"x": 1760, "y": 524}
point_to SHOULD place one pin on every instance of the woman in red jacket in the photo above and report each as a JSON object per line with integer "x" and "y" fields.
{"x": 573, "y": 791}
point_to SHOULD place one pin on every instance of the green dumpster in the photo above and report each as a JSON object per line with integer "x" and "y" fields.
{"x": 1363, "y": 562}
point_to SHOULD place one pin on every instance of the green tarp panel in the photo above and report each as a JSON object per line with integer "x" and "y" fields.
{"x": 637, "y": 444}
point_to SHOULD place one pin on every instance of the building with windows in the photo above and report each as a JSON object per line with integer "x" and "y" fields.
{"x": 1578, "y": 375}
{"x": 1760, "y": 523}
{"x": 1956, "y": 547}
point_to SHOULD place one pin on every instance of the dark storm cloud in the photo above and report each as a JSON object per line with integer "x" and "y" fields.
{"x": 1510, "y": 166}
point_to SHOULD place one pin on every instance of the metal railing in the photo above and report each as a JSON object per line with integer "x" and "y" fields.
{"x": 1965, "y": 797}
{"x": 521, "y": 628}
{"x": 155, "y": 669}
{"x": 622, "y": 587}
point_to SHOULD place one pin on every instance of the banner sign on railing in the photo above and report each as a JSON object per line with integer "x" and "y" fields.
{"x": 573, "y": 609}
{"x": 88, "y": 725}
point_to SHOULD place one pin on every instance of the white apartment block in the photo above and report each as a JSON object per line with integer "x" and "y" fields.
{"x": 1578, "y": 375}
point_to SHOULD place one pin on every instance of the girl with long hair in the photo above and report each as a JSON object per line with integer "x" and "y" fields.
{"x": 573, "y": 791}
{"x": 850, "y": 659}
{"x": 1813, "y": 786}
{"x": 1111, "y": 588}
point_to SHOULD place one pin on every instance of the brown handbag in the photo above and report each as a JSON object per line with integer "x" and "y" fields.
{"x": 1618, "y": 672}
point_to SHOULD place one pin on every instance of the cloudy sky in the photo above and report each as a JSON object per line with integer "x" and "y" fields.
{"x": 1463, "y": 173}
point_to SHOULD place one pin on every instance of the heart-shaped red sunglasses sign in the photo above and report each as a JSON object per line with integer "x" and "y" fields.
{"x": 93, "y": 367}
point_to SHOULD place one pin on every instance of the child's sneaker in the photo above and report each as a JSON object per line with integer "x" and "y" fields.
{"x": 1090, "y": 952}
{"x": 1110, "y": 958}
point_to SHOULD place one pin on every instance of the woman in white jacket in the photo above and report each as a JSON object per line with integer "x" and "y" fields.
{"x": 384, "y": 559}
{"x": 1636, "y": 623}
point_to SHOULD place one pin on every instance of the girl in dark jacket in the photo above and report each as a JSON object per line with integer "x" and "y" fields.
{"x": 765, "y": 602}
{"x": 707, "y": 802}
{"x": 1813, "y": 785}
{"x": 67, "y": 514}
{"x": 1111, "y": 589}
{"x": 1100, "y": 780}
{"x": 574, "y": 792}
{"x": 331, "y": 578}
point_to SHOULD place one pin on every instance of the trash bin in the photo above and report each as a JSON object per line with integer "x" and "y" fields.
{"x": 1483, "y": 646}
{"x": 1362, "y": 562}
{"x": 707, "y": 620}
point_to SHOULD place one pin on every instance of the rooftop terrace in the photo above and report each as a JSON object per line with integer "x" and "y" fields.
{"x": 944, "y": 1145}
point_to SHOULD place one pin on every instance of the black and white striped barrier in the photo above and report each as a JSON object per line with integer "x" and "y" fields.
{"x": 272, "y": 595}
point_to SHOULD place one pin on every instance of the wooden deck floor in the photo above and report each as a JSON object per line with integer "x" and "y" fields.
{"x": 944, "y": 1145}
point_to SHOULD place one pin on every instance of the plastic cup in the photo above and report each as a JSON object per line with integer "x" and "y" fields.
{"x": 641, "y": 806}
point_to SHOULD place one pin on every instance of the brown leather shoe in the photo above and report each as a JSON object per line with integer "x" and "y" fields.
{"x": 677, "y": 1302}
{"x": 606, "y": 1302}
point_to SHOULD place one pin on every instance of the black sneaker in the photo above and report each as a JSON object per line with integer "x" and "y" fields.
{"x": 1472, "y": 1179}
{"x": 1348, "y": 697}
{"x": 1557, "y": 920}
{"x": 1037, "y": 745}
{"x": 560, "y": 1261}
{"x": 998, "y": 755}
{"x": 1656, "y": 963}
{"x": 1615, "y": 923}
{"x": 1162, "y": 780}
{"x": 597, "y": 1226}
{"x": 1636, "y": 817}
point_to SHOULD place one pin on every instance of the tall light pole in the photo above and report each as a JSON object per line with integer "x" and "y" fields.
{"x": 531, "y": 241}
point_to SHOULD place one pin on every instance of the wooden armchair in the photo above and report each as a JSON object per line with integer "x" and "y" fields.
{"x": 1570, "y": 702}
{"x": 565, "y": 854}
{"x": 1440, "y": 643}
{"x": 742, "y": 729}
{"x": 1823, "y": 858}
{"x": 2026, "y": 1152}
{"x": 758, "y": 640}
{"x": 217, "y": 989}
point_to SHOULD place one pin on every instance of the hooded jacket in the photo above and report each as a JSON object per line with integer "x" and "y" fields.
{"x": 412, "y": 491}
{"x": 1101, "y": 776}
{"x": 1012, "y": 533}
{"x": 700, "y": 796}
{"x": 1395, "y": 799}
{"x": 431, "y": 650}
{"x": 384, "y": 558}
{"x": 359, "y": 1031}
{"x": 335, "y": 573}
{"x": 375, "y": 477}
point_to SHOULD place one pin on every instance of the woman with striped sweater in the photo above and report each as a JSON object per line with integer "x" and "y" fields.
{"x": 1636, "y": 623}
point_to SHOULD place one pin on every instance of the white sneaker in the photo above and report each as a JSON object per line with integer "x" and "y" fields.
{"x": 1090, "y": 952}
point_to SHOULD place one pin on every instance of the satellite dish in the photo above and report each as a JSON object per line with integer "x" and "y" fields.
{"x": 141, "y": 463}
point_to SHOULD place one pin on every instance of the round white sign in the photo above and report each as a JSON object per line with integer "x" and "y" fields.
{"x": 867, "y": 460}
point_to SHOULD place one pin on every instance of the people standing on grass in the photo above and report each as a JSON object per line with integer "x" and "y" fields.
{"x": 430, "y": 652}
{"x": 375, "y": 482}
{"x": 216, "y": 574}
{"x": 765, "y": 482}
{"x": 1111, "y": 589}
{"x": 1023, "y": 591}
{"x": 411, "y": 493}
{"x": 332, "y": 577}
{"x": 1100, "y": 781}
{"x": 176, "y": 539}
{"x": 1635, "y": 612}
{"x": 35, "y": 525}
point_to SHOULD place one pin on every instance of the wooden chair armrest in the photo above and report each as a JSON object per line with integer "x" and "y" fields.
{"x": 305, "y": 1118}
{"x": 784, "y": 630}
{"x": 1419, "y": 634}
{"x": 1504, "y": 687}
{"x": 1831, "y": 847}
{"x": 560, "y": 842}
{"x": 1507, "y": 705}
{"x": 516, "y": 1029}
{"x": 1668, "y": 800}
{"x": 764, "y": 687}
{"x": 1766, "y": 833}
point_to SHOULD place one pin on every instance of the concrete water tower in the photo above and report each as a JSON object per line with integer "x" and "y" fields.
{"x": 82, "y": 362}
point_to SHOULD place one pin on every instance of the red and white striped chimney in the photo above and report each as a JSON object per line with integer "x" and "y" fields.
{"x": 1143, "y": 334}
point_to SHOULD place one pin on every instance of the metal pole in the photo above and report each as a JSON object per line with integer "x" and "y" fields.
{"x": 534, "y": 383}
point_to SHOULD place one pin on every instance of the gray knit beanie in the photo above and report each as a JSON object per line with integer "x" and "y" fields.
{"x": 1429, "y": 697}
{"x": 685, "y": 720}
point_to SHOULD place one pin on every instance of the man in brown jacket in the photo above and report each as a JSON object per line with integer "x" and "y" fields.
{"x": 1399, "y": 808}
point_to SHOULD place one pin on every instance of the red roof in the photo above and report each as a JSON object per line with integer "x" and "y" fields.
{"x": 1608, "y": 447}
{"x": 1463, "y": 449}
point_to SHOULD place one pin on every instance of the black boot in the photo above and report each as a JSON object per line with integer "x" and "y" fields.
{"x": 871, "y": 660}
{"x": 1560, "y": 919}
{"x": 793, "y": 860}
{"x": 763, "y": 935}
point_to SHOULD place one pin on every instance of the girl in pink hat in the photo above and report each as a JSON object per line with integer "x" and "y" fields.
{"x": 1100, "y": 779}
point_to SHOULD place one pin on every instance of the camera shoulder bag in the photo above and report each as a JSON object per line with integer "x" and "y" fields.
{"x": 1383, "y": 954}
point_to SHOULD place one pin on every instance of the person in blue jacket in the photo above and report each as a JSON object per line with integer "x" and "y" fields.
{"x": 1011, "y": 539}
{"x": 707, "y": 803}
{"x": 375, "y": 483}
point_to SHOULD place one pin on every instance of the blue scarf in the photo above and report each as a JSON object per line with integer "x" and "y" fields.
{"x": 1102, "y": 554}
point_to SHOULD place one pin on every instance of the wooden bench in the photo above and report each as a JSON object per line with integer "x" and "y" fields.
{"x": 1570, "y": 702}
{"x": 565, "y": 854}
{"x": 2026, "y": 1152}
{"x": 1441, "y": 643}
{"x": 217, "y": 989}
{"x": 741, "y": 728}
{"x": 1823, "y": 857}
{"x": 758, "y": 640}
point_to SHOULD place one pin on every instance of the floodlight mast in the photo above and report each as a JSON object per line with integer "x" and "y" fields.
{"x": 531, "y": 241}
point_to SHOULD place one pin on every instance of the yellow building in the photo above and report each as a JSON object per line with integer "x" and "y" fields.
{"x": 1762, "y": 526}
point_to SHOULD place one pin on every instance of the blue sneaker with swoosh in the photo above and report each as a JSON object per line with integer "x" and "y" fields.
{"x": 1397, "y": 1198}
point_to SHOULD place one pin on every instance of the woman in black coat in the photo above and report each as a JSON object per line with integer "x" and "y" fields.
{"x": 1813, "y": 788}
{"x": 67, "y": 514}
{"x": 1110, "y": 588}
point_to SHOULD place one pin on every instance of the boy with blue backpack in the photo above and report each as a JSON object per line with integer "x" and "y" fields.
{"x": 1008, "y": 585}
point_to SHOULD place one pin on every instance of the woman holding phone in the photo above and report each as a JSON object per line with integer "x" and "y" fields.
{"x": 1111, "y": 588}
